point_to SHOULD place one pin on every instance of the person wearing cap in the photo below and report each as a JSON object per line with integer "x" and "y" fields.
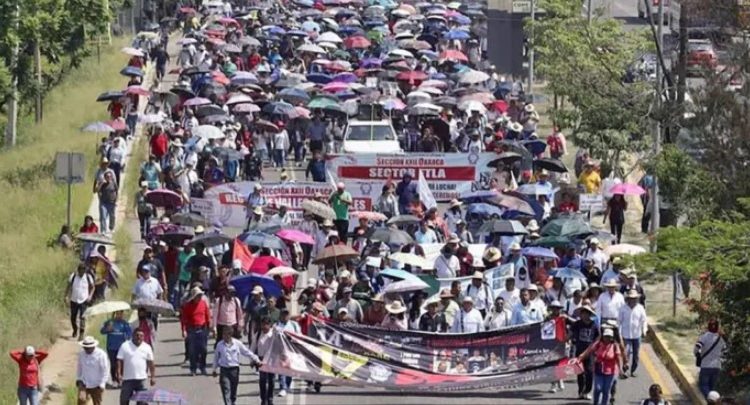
{"x": 227, "y": 313}
{"x": 632, "y": 319}
{"x": 92, "y": 372}
{"x": 468, "y": 319}
{"x": 709, "y": 353}
{"x": 433, "y": 320}
{"x": 353, "y": 308}
{"x": 525, "y": 312}
{"x": 631, "y": 283}
{"x": 156, "y": 267}
{"x": 78, "y": 294}
{"x": 583, "y": 333}
{"x": 118, "y": 331}
{"x": 448, "y": 306}
{"x": 255, "y": 199}
{"x": 227, "y": 361}
{"x": 609, "y": 303}
{"x": 447, "y": 264}
{"x": 499, "y": 317}
{"x": 510, "y": 295}
{"x": 341, "y": 201}
{"x": 29, "y": 367}
{"x": 589, "y": 179}
{"x": 147, "y": 287}
{"x": 255, "y": 305}
{"x": 195, "y": 321}
{"x": 608, "y": 360}
{"x": 452, "y": 215}
{"x": 480, "y": 292}
{"x": 135, "y": 365}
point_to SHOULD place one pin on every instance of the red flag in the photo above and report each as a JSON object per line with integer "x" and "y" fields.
{"x": 242, "y": 253}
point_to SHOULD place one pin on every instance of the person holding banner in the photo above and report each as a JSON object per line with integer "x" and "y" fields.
{"x": 227, "y": 361}
{"x": 583, "y": 333}
{"x": 432, "y": 320}
{"x": 469, "y": 319}
{"x": 499, "y": 317}
{"x": 448, "y": 306}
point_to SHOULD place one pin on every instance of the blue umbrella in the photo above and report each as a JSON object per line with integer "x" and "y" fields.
{"x": 319, "y": 78}
{"x": 398, "y": 274}
{"x": 294, "y": 95}
{"x": 279, "y": 108}
{"x": 535, "y": 146}
{"x": 538, "y": 251}
{"x": 345, "y": 12}
{"x": 304, "y": 3}
{"x": 131, "y": 71}
{"x": 310, "y": 26}
{"x": 245, "y": 284}
{"x": 567, "y": 272}
{"x": 275, "y": 30}
{"x": 461, "y": 19}
{"x": 484, "y": 209}
{"x": 349, "y": 30}
{"x": 297, "y": 33}
{"x": 262, "y": 239}
{"x": 456, "y": 34}
{"x": 368, "y": 63}
{"x": 345, "y": 77}
{"x": 478, "y": 195}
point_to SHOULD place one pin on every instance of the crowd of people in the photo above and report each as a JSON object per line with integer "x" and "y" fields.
{"x": 256, "y": 85}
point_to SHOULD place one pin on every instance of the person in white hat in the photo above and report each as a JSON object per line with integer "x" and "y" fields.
{"x": 255, "y": 218}
{"x": 196, "y": 322}
{"x": 468, "y": 320}
{"x": 520, "y": 265}
{"x": 583, "y": 333}
{"x": 29, "y": 365}
{"x": 433, "y": 320}
{"x": 525, "y": 312}
{"x": 92, "y": 371}
{"x": 255, "y": 199}
{"x": 610, "y": 301}
{"x": 452, "y": 215}
{"x": 713, "y": 398}
{"x": 480, "y": 292}
{"x": 396, "y": 319}
{"x": 341, "y": 202}
{"x": 633, "y": 326}
{"x": 596, "y": 254}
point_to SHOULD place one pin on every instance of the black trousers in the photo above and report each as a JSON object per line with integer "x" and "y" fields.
{"x": 266, "y": 387}
{"x": 229, "y": 378}
{"x": 616, "y": 228}
{"x": 77, "y": 321}
{"x": 586, "y": 379}
{"x": 342, "y": 227}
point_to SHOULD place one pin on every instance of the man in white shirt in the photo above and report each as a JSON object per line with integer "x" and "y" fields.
{"x": 448, "y": 306}
{"x": 92, "y": 372}
{"x": 596, "y": 254}
{"x": 447, "y": 264}
{"x": 227, "y": 360}
{"x": 499, "y": 317}
{"x": 187, "y": 176}
{"x": 632, "y": 320}
{"x": 536, "y": 300}
{"x": 425, "y": 234}
{"x": 135, "y": 363}
{"x": 525, "y": 312}
{"x": 613, "y": 273}
{"x": 147, "y": 287}
{"x": 261, "y": 346}
{"x": 480, "y": 292}
{"x": 511, "y": 294}
{"x": 116, "y": 155}
{"x": 468, "y": 320}
{"x": 79, "y": 293}
{"x": 609, "y": 303}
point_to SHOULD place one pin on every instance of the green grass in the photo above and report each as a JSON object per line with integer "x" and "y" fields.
{"x": 33, "y": 208}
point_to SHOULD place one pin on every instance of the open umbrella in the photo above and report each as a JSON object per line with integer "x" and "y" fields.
{"x": 262, "y": 240}
{"x": 159, "y": 396}
{"x": 553, "y": 241}
{"x": 190, "y": 219}
{"x": 245, "y": 284}
{"x": 537, "y": 251}
{"x": 624, "y": 249}
{"x": 357, "y": 42}
{"x": 484, "y": 210}
{"x": 627, "y": 189}
{"x": 505, "y": 158}
{"x": 403, "y": 220}
{"x": 390, "y": 236}
{"x": 110, "y": 96}
{"x": 504, "y": 227}
{"x": 282, "y": 271}
{"x": 131, "y": 71}
{"x": 473, "y": 77}
{"x": 208, "y": 132}
{"x": 98, "y": 126}
{"x": 295, "y": 235}
{"x": 536, "y": 189}
{"x": 211, "y": 239}
{"x": 412, "y": 260}
{"x": 176, "y": 237}
{"x": 106, "y": 307}
{"x": 154, "y": 306}
{"x": 567, "y": 272}
{"x": 566, "y": 226}
{"x": 535, "y": 146}
{"x": 319, "y": 209}
{"x": 406, "y": 286}
{"x": 551, "y": 164}
{"x": 164, "y": 198}
{"x": 99, "y": 238}
{"x": 335, "y": 254}
{"x": 369, "y": 215}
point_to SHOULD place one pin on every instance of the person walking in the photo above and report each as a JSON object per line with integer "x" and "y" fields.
{"x": 29, "y": 368}
{"x": 340, "y": 201}
{"x": 78, "y": 295}
{"x": 92, "y": 372}
{"x": 107, "y": 191}
{"x": 143, "y": 210}
{"x": 195, "y": 318}
{"x": 632, "y": 321}
{"x": 118, "y": 331}
{"x": 135, "y": 365}
{"x": 708, "y": 352}
{"x": 607, "y": 359}
{"x": 227, "y": 361}
{"x": 284, "y": 323}
{"x": 616, "y": 208}
{"x": 228, "y": 313}
{"x": 583, "y": 334}
{"x": 262, "y": 345}
{"x": 469, "y": 319}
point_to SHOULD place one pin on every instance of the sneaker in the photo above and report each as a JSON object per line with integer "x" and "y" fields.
{"x": 282, "y": 393}
{"x": 553, "y": 389}
{"x": 587, "y": 396}
{"x": 632, "y": 374}
{"x": 561, "y": 385}
{"x": 309, "y": 388}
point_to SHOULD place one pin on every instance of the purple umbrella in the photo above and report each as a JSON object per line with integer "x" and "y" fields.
{"x": 195, "y": 101}
{"x": 159, "y": 396}
{"x": 368, "y": 63}
{"x": 346, "y": 77}
{"x": 164, "y": 198}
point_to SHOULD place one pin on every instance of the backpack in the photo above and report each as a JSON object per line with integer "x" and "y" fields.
{"x": 108, "y": 193}
{"x": 89, "y": 278}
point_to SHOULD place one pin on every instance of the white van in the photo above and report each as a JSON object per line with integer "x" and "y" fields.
{"x": 370, "y": 137}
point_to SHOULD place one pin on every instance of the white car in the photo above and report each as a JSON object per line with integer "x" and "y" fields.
{"x": 370, "y": 137}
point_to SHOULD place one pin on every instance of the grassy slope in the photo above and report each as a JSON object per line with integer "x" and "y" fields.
{"x": 32, "y": 275}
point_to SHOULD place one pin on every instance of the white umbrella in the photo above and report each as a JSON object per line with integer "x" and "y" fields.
{"x": 106, "y": 307}
{"x": 623, "y": 249}
{"x": 150, "y": 118}
{"x": 282, "y": 271}
{"x": 239, "y": 99}
{"x": 328, "y": 45}
{"x": 429, "y": 106}
{"x": 412, "y": 260}
{"x": 312, "y": 48}
{"x": 131, "y": 51}
{"x": 331, "y": 23}
{"x": 208, "y": 132}
{"x": 472, "y": 105}
{"x": 418, "y": 94}
{"x": 329, "y": 37}
{"x": 401, "y": 52}
{"x": 187, "y": 41}
{"x": 98, "y": 127}
{"x": 407, "y": 285}
{"x": 473, "y": 77}
{"x": 430, "y": 90}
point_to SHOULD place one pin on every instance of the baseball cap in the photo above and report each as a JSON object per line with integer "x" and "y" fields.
{"x": 29, "y": 351}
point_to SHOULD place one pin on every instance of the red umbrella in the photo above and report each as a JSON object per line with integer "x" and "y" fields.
{"x": 262, "y": 264}
{"x": 164, "y": 198}
{"x": 453, "y": 55}
{"x": 216, "y": 41}
{"x": 412, "y": 75}
{"x": 187, "y": 10}
{"x": 219, "y": 77}
{"x": 357, "y": 42}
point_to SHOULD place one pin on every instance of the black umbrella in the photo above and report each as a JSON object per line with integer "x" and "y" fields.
{"x": 504, "y": 227}
{"x": 178, "y": 236}
{"x": 195, "y": 70}
{"x": 110, "y": 95}
{"x": 403, "y": 220}
{"x": 551, "y": 164}
{"x": 191, "y": 219}
{"x": 211, "y": 239}
{"x": 390, "y": 236}
{"x": 505, "y": 158}
{"x": 212, "y": 89}
{"x": 183, "y": 91}
{"x": 211, "y": 109}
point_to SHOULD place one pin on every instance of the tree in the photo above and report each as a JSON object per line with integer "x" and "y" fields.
{"x": 585, "y": 62}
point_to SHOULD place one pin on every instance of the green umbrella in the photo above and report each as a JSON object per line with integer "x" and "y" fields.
{"x": 322, "y": 103}
{"x": 341, "y": 54}
{"x": 432, "y": 282}
{"x": 375, "y": 35}
{"x": 567, "y": 226}
{"x": 553, "y": 241}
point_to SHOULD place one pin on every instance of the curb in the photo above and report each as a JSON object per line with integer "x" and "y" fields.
{"x": 684, "y": 379}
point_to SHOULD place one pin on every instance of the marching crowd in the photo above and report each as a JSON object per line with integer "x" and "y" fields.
{"x": 258, "y": 84}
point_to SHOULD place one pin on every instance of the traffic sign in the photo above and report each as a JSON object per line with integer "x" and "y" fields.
{"x": 70, "y": 167}
{"x": 524, "y": 7}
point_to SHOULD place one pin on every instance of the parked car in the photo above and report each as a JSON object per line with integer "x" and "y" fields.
{"x": 370, "y": 137}
{"x": 701, "y": 55}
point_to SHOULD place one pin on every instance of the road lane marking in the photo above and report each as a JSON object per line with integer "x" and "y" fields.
{"x": 654, "y": 373}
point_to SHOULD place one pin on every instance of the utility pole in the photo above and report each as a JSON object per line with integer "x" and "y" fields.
{"x": 658, "y": 127}
{"x": 681, "y": 66}
{"x": 11, "y": 129}
{"x": 530, "y": 90}
{"x": 38, "y": 107}
{"x": 588, "y": 11}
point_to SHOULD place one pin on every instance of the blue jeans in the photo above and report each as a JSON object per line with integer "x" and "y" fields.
{"x": 107, "y": 216}
{"x": 299, "y": 151}
{"x": 28, "y": 396}
{"x": 633, "y": 347}
{"x": 285, "y": 382}
{"x": 707, "y": 379}
{"x": 278, "y": 157}
{"x": 602, "y": 388}
{"x": 197, "y": 339}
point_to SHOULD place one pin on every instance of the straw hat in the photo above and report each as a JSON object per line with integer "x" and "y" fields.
{"x": 258, "y": 210}
{"x": 632, "y": 294}
{"x": 477, "y": 275}
{"x": 533, "y": 226}
{"x": 199, "y": 229}
{"x": 89, "y": 342}
{"x": 257, "y": 290}
{"x": 446, "y": 293}
{"x": 529, "y": 108}
{"x": 454, "y": 203}
{"x": 555, "y": 304}
{"x": 515, "y": 246}
{"x": 492, "y": 254}
{"x": 587, "y": 308}
{"x": 195, "y": 291}
{"x": 468, "y": 299}
{"x": 454, "y": 239}
{"x": 395, "y": 307}
{"x": 327, "y": 223}
{"x": 610, "y": 283}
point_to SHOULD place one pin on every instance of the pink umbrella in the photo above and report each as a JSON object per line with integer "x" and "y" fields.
{"x": 294, "y": 235}
{"x": 369, "y": 215}
{"x": 303, "y": 112}
{"x": 627, "y": 189}
{"x": 164, "y": 198}
{"x": 196, "y": 101}
{"x": 335, "y": 87}
{"x": 118, "y": 124}
{"x": 246, "y": 108}
{"x": 137, "y": 90}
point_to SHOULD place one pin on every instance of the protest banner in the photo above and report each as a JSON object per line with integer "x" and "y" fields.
{"x": 446, "y": 174}
{"x": 307, "y": 358}
{"x": 228, "y": 200}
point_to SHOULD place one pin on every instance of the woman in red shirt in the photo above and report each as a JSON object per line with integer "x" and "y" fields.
{"x": 89, "y": 226}
{"x": 607, "y": 359}
{"x": 29, "y": 383}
